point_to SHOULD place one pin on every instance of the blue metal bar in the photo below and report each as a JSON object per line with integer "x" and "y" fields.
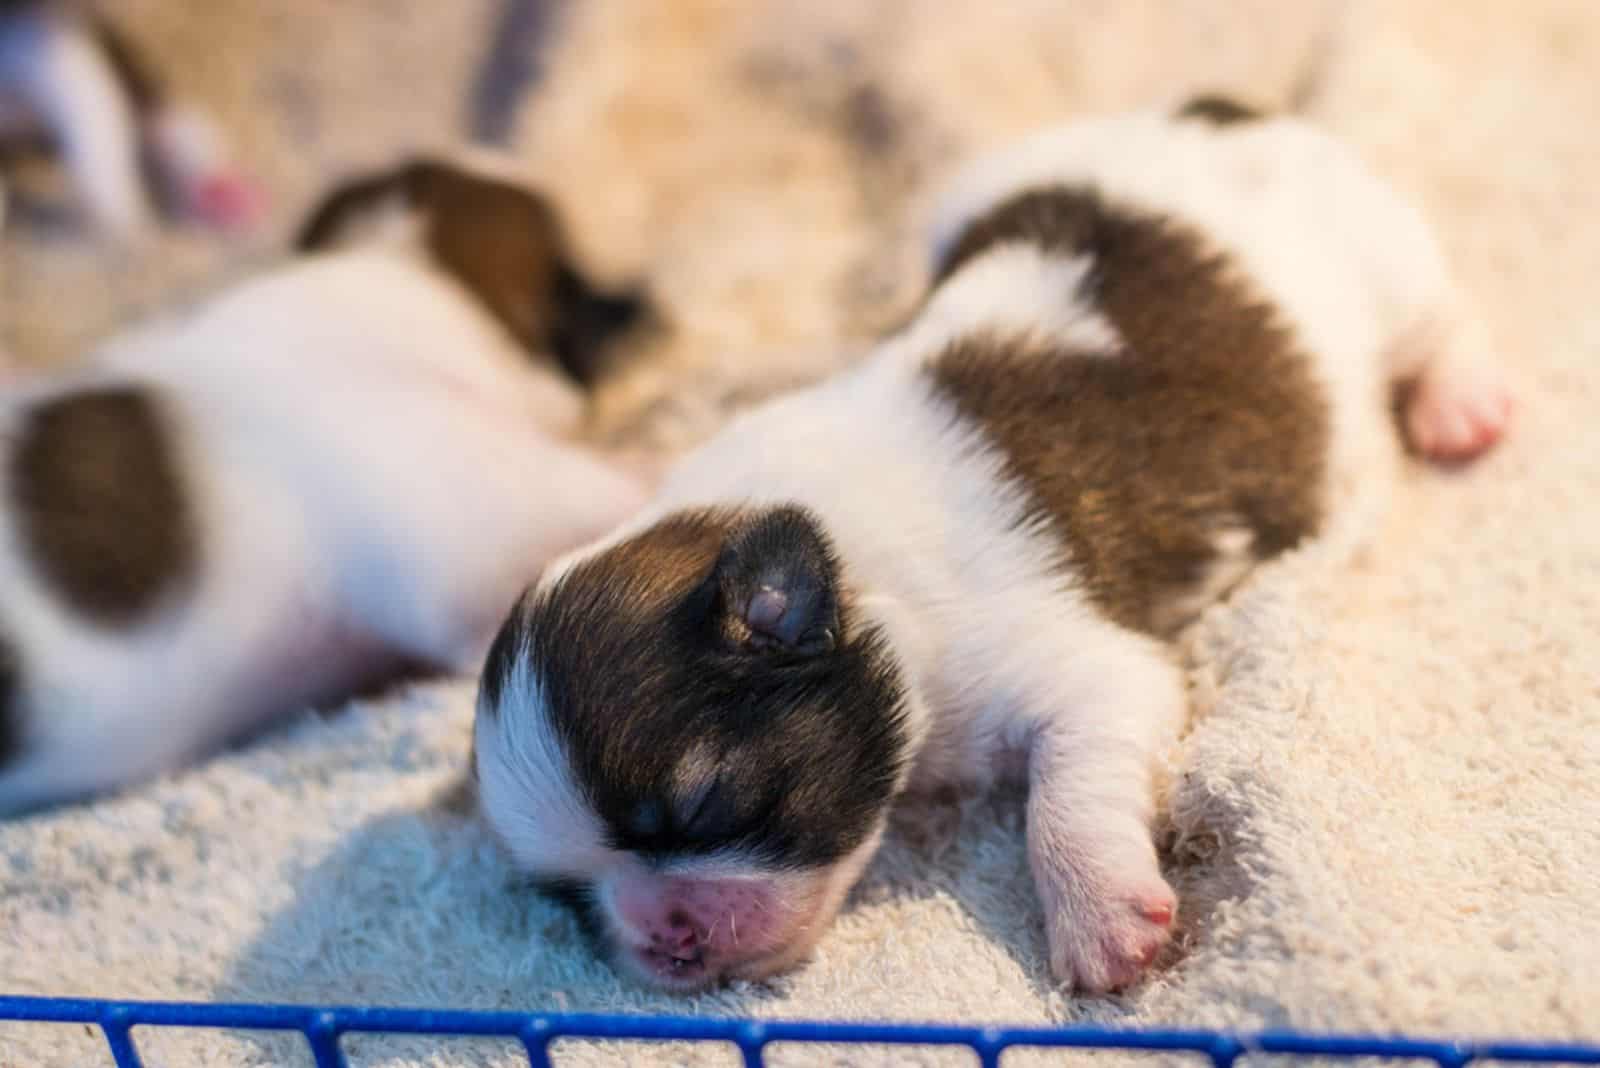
{"x": 752, "y": 1040}
{"x": 119, "y": 1036}
{"x": 1225, "y": 1049}
{"x": 989, "y": 1047}
{"x": 535, "y": 1037}
{"x": 323, "y": 1035}
{"x": 323, "y": 1026}
{"x": 1565, "y": 1053}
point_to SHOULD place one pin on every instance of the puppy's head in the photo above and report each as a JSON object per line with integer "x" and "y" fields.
{"x": 499, "y": 240}
{"x": 692, "y": 737}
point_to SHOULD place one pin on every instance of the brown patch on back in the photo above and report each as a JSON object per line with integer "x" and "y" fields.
{"x": 1208, "y": 420}
{"x": 1219, "y": 110}
{"x": 99, "y": 503}
{"x": 1060, "y": 222}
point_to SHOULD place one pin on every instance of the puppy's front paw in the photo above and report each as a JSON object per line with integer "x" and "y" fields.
{"x": 225, "y": 200}
{"x": 1103, "y": 939}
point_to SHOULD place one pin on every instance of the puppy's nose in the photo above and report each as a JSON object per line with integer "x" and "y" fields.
{"x": 677, "y": 944}
{"x": 680, "y": 938}
{"x": 676, "y": 947}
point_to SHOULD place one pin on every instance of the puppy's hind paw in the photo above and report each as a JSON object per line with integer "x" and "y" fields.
{"x": 1454, "y": 414}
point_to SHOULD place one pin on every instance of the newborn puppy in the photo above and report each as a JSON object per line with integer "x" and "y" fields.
{"x": 1160, "y": 350}
{"x": 68, "y": 76}
{"x": 351, "y": 462}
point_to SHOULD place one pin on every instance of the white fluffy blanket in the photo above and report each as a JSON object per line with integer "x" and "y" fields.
{"x": 1387, "y": 814}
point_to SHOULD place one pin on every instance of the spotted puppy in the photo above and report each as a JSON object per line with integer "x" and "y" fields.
{"x": 69, "y": 78}
{"x": 354, "y": 461}
{"x": 1159, "y": 351}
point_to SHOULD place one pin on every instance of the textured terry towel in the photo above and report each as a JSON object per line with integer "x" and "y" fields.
{"x": 1387, "y": 814}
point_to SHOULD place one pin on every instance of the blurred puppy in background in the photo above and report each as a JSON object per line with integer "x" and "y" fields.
{"x": 351, "y": 463}
{"x": 72, "y": 83}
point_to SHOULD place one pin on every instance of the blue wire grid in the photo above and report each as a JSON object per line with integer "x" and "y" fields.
{"x": 323, "y": 1026}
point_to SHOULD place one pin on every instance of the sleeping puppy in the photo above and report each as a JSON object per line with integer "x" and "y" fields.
{"x": 352, "y": 462}
{"x": 1159, "y": 351}
{"x": 70, "y": 78}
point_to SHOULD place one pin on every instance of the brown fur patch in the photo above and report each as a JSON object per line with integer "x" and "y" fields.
{"x": 1208, "y": 421}
{"x": 99, "y": 503}
{"x": 662, "y": 564}
{"x": 502, "y": 242}
{"x": 664, "y": 648}
{"x": 639, "y": 577}
{"x": 505, "y": 245}
{"x": 1219, "y": 110}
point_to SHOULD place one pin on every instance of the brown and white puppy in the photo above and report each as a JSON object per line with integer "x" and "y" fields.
{"x": 71, "y": 78}
{"x": 1160, "y": 350}
{"x": 351, "y": 462}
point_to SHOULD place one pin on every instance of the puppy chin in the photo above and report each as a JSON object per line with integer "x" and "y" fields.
{"x": 835, "y": 885}
{"x": 803, "y": 903}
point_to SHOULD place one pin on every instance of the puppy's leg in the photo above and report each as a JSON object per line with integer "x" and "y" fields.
{"x": 1108, "y": 910}
{"x": 70, "y": 755}
{"x": 69, "y": 84}
{"x": 1457, "y": 399}
{"x": 198, "y": 180}
{"x": 205, "y": 185}
{"x": 39, "y": 780}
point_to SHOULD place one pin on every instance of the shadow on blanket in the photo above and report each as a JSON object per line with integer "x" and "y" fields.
{"x": 418, "y": 907}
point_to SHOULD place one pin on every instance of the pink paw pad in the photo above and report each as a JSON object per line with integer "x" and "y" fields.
{"x": 1452, "y": 417}
{"x": 1127, "y": 942}
{"x": 1158, "y": 912}
{"x": 227, "y": 201}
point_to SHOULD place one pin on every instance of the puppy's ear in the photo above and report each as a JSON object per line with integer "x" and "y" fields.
{"x": 777, "y": 586}
{"x": 346, "y": 207}
{"x": 586, "y": 320}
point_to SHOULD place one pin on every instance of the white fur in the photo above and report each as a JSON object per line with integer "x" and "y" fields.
{"x": 527, "y": 791}
{"x": 393, "y": 222}
{"x": 1014, "y": 671}
{"x": 55, "y": 76}
{"x": 1016, "y": 289}
{"x": 376, "y": 469}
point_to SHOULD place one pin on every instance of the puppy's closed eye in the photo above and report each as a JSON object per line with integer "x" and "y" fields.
{"x": 703, "y": 815}
{"x": 709, "y": 812}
